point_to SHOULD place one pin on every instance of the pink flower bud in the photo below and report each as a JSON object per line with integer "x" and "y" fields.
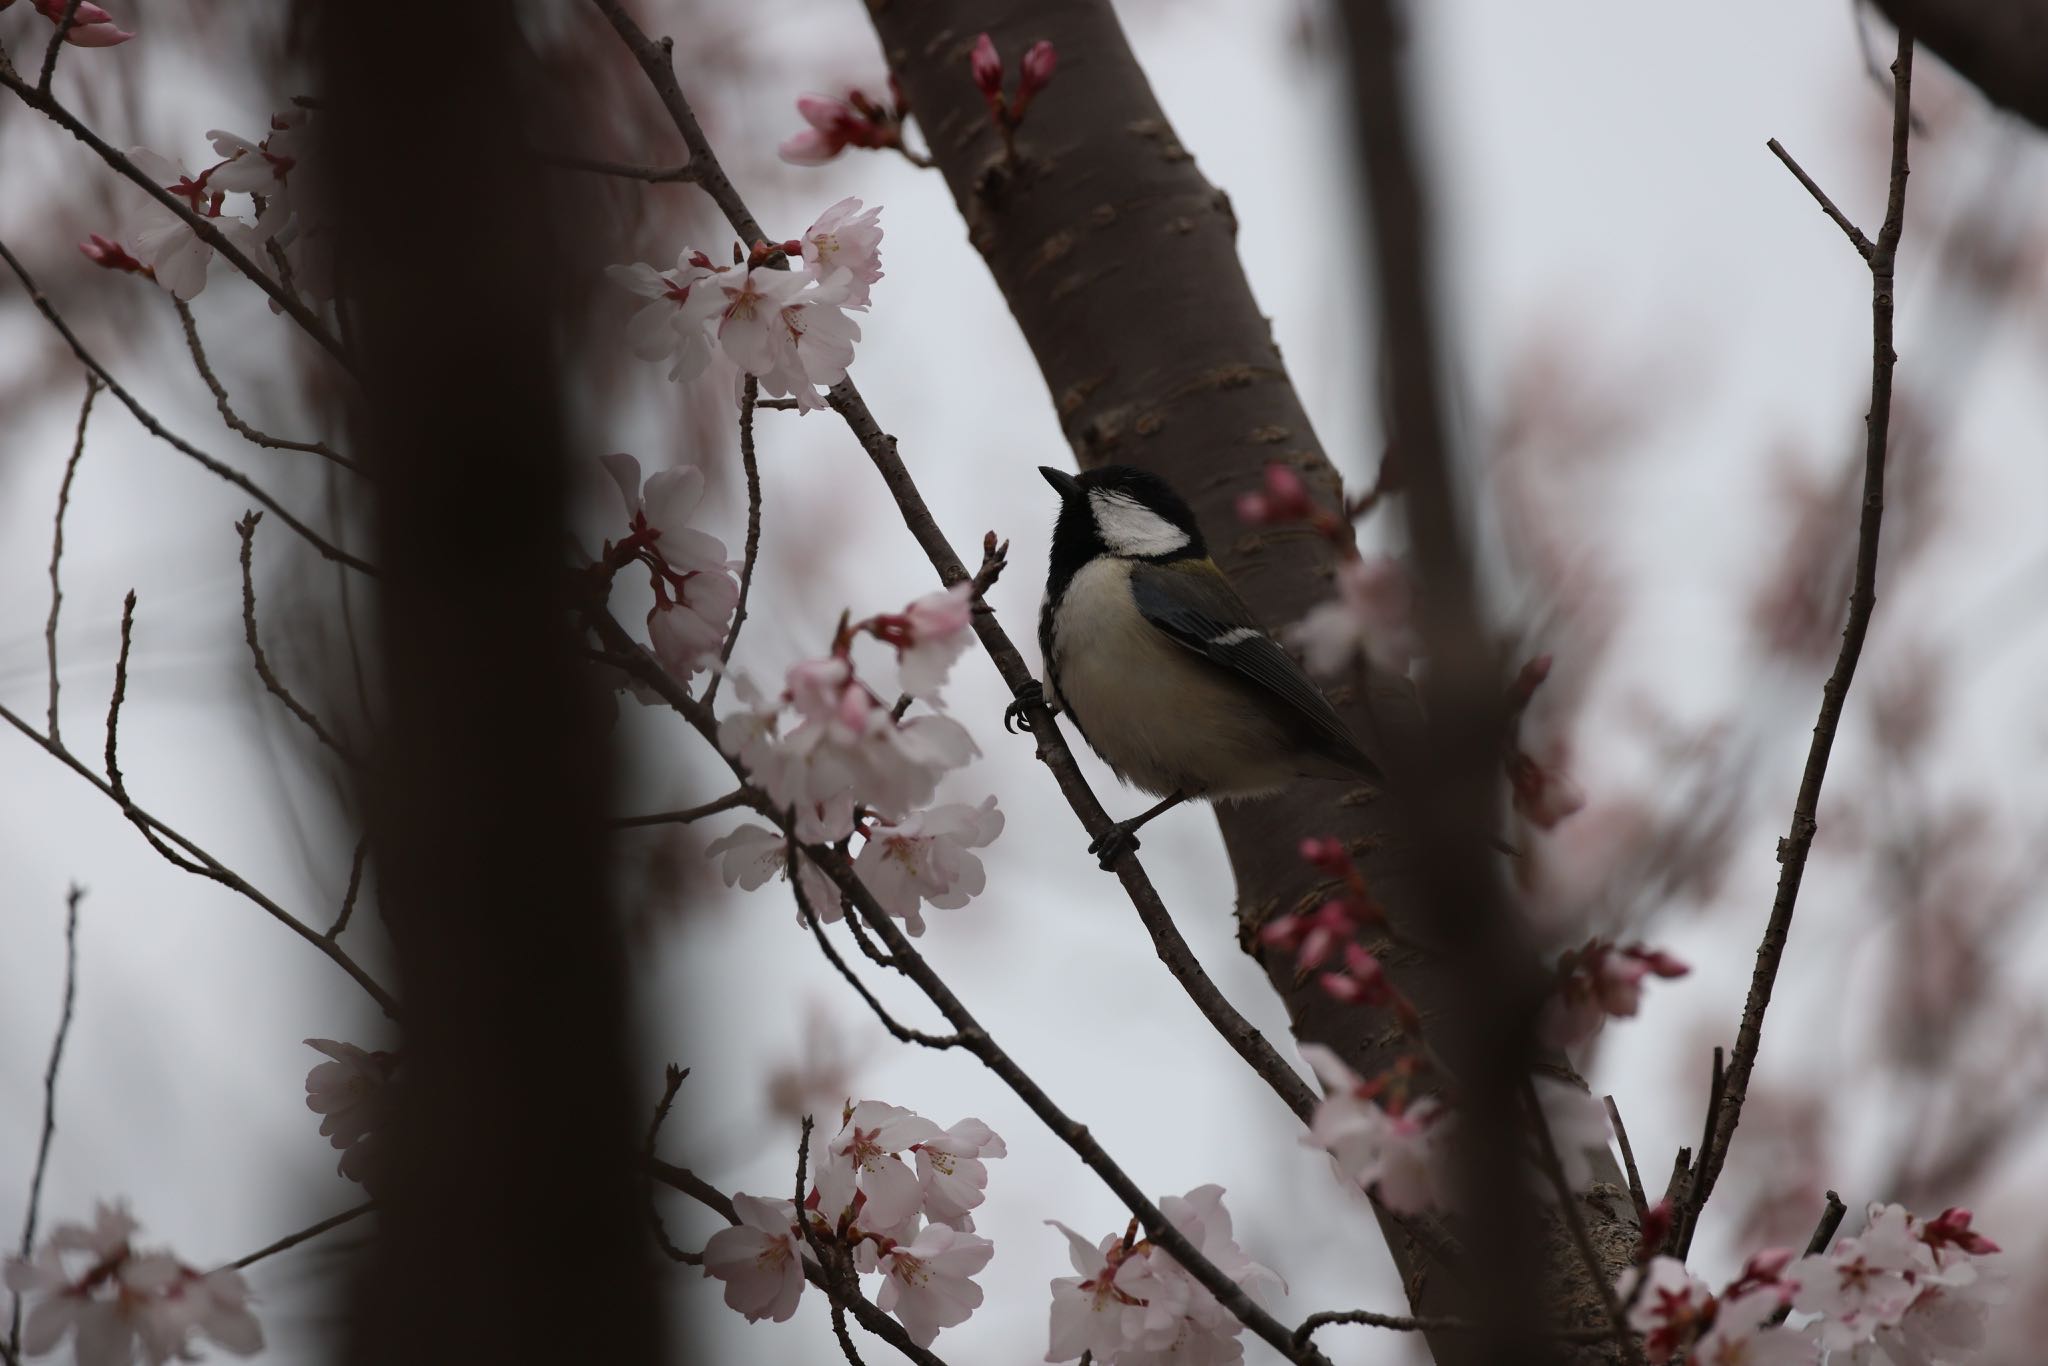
{"x": 1040, "y": 59}
{"x": 1656, "y": 1228}
{"x": 1252, "y": 509}
{"x": 110, "y": 255}
{"x": 1953, "y": 1228}
{"x": 1286, "y": 494}
{"x": 987, "y": 67}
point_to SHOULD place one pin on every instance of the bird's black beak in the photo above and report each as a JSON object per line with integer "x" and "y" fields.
{"x": 1066, "y": 485}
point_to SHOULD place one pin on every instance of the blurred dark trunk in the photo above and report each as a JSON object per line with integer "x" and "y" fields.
{"x": 1999, "y": 46}
{"x": 1119, "y": 262}
{"x": 513, "y": 1185}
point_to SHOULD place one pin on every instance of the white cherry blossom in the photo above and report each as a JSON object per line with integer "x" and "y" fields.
{"x": 846, "y": 238}
{"x": 752, "y": 854}
{"x": 351, "y": 1094}
{"x": 1398, "y": 1157}
{"x": 760, "y": 1259}
{"x": 163, "y": 241}
{"x": 951, "y": 1173}
{"x": 928, "y": 1285}
{"x": 671, "y": 325}
{"x": 927, "y": 856}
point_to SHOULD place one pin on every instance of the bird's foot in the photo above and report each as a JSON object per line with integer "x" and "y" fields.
{"x": 1113, "y": 843}
{"x": 1016, "y": 716}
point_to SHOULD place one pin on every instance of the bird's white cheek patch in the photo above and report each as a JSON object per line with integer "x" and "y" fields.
{"x": 1130, "y": 528}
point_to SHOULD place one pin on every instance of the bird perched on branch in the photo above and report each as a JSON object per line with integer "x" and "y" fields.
{"x": 1160, "y": 664}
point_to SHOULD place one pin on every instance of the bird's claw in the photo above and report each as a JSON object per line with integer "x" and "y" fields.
{"x": 1017, "y": 716}
{"x": 1111, "y": 845}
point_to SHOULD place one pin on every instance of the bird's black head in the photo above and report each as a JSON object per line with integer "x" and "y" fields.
{"x": 1120, "y": 511}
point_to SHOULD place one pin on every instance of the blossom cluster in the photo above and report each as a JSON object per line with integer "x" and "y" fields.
{"x": 163, "y": 245}
{"x": 1391, "y": 1140}
{"x": 1132, "y": 1304}
{"x": 91, "y": 1281}
{"x": 891, "y": 1194}
{"x": 847, "y": 763}
{"x": 695, "y": 590}
{"x": 91, "y": 26}
{"x": 351, "y": 1094}
{"x": 1915, "y": 1291}
{"x": 835, "y": 124}
{"x": 1598, "y": 981}
{"x": 788, "y": 328}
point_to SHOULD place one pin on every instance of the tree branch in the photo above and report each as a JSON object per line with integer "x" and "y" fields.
{"x": 35, "y": 1185}
{"x": 246, "y": 528}
{"x": 292, "y": 1240}
{"x": 750, "y": 394}
{"x": 227, "y": 412}
{"x": 1793, "y": 849}
{"x": 162, "y": 433}
{"x": 92, "y": 388}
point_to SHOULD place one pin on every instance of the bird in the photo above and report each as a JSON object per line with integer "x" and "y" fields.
{"x": 1162, "y": 667}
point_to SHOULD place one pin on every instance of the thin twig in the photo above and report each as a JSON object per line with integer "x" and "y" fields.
{"x": 164, "y": 434}
{"x": 838, "y": 1275}
{"x": 1686, "y": 1212}
{"x": 292, "y": 1240}
{"x": 902, "y": 1033}
{"x": 1823, "y": 1234}
{"x": 64, "y": 23}
{"x": 1792, "y": 850}
{"x": 1628, "y": 1159}
{"x": 205, "y": 228}
{"x": 728, "y": 802}
{"x": 246, "y": 528}
{"x": 1864, "y": 246}
{"x": 750, "y": 393}
{"x": 1406, "y": 1323}
{"x": 64, "y": 1014}
{"x": 653, "y": 175}
{"x": 672, "y": 1081}
{"x": 227, "y": 412}
{"x": 355, "y": 887}
{"x": 92, "y": 388}
{"x": 871, "y": 1318}
{"x": 197, "y": 861}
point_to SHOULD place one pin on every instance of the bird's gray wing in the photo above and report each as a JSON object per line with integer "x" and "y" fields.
{"x": 1203, "y": 613}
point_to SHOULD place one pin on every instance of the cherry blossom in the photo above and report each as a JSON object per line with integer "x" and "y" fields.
{"x": 1034, "y": 73}
{"x": 1670, "y": 1310}
{"x": 351, "y": 1093}
{"x": 1135, "y": 1306}
{"x": 869, "y": 1144}
{"x": 986, "y": 67}
{"x": 91, "y": 26}
{"x": 848, "y": 749}
{"x": 927, "y": 857}
{"x": 928, "y": 1286}
{"x": 1599, "y": 980}
{"x": 695, "y": 591}
{"x": 1371, "y": 618}
{"x": 1915, "y": 1290}
{"x": 91, "y": 1281}
{"x": 751, "y": 855}
{"x": 847, "y": 238}
{"x": 760, "y": 1259}
{"x": 951, "y": 1172}
{"x": 1396, "y": 1155}
{"x": 165, "y": 243}
{"x": 1543, "y": 794}
{"x": 668, "y": 327}
{"x": 836, "y": 124}
{"x": 807, "y": 342}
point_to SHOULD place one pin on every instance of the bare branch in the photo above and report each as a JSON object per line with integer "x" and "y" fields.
{"x": 64, "y": 23}
{"x": 292, "y": 1240}
{"x": 731, "y": 800}
{"x": 355, "y": 887}
{"x": 197, "y": 861}
{"x": 900, "y": 1032}
{"x": 1628, "y": 1158}
{"x": 1568, "y": 1208}
{"x": 1793, "y": 849}
{"x": 227, "y": 412}
{"x": 92, "y": 388}
{"x": 750, "y": 394}
{"x": 35, "y": 1185}
{"x": 672, "y": 1081}
{"x": 162, "y": 433}
{"x": 246, "y": 528}
{"x": 1864, "y": 246}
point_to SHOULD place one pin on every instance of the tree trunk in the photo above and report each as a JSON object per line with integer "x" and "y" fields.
{"x": 1119, "y": 262}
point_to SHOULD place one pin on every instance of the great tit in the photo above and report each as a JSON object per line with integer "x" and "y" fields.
{"x": 1162, "y": 667}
